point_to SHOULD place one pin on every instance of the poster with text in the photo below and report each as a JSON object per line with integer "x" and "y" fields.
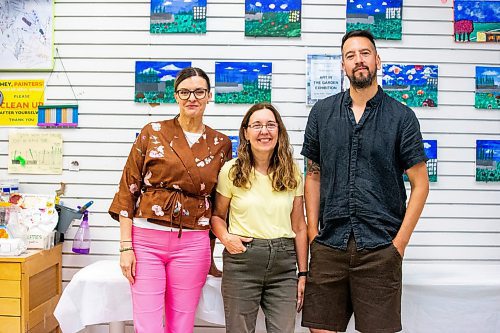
{"x": 178, "y": 16}
{"x": 476, "y": 21}
{"x": 324, "y": 76}
{"x": 270, "y": 18}
{"x": 154, "y": 80}
{"x": 26, "y": 35}
{"x": 35, "y": 153}
{"x": 243, "y": 82}
{"x": 19, "y": 101}
{"x": 412, "y": 85}
{"x": 487, "y": 88}
{"x": 381, "y": 17}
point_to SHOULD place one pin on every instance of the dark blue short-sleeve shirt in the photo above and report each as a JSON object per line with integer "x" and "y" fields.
{"x": 362, "y": 165}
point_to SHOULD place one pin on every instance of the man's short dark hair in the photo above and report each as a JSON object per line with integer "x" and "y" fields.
{"x": 358, "y": 33}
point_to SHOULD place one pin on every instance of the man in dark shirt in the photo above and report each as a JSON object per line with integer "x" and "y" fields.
{"x": 358, "y": 144}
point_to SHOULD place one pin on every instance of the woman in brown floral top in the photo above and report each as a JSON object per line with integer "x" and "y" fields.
{"x": 164, "y": 206}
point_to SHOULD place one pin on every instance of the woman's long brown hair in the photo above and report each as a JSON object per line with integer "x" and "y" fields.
{"x": 282, "y": 167}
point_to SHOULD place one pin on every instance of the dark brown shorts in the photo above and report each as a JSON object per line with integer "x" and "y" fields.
{"x": 366, "y": 283}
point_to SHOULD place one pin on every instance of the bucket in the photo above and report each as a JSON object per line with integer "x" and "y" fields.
{"x": 66, "y": 216}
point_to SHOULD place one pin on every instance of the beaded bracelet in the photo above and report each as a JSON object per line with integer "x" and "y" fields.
{"x": 126, "y": 249}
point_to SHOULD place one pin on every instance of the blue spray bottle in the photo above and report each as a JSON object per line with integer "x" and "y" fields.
{"x": 81, "y": 242}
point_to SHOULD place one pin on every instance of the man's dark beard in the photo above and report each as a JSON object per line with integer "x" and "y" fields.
{"x": 361, "y": 82}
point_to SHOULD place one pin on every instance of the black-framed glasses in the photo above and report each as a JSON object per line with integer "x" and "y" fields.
{"x": 199, "y": 93}
{"x": 271, "y": 126}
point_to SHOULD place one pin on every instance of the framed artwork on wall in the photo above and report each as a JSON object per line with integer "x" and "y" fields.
{"x": 154, "y": 80}
{"x": 269, "y": 18}
{"x": 487, "y": 88}
{"x": 26, "y": 35}
{"x": 430, "y": 148}
{"x": 476, "y": 21}
{"x": 178, "y": 16}
{"x": 243, "y": 82}
{"x": 412, "y": 85}
{"x": 488, "y": 160}
{"x": 381, "y": 17}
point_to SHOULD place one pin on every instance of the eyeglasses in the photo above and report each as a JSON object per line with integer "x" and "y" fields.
{"x": 184, "y": 94}
{"x": 271, "y": 126}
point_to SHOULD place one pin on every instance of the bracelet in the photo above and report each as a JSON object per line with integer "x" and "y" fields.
{"x": 305, "y": 273}
{"x": 124, "y": 249}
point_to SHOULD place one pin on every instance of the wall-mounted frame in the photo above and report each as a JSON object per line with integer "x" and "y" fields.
{"x": 58, "y": 116}
{"x": 26, "y": 35}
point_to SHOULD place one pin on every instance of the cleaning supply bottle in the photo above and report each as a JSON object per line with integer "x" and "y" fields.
{"x": 81, "y": 242}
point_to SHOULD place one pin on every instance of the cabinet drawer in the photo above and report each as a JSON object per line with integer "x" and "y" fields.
{"x": 10, "y": 306}
{"x": 10, "y": 288}
{"x": 10, "y": 324}
{"x": 10, "y": 271}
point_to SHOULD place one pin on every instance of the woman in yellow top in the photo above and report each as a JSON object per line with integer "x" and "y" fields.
{"x": 266, "y": 239}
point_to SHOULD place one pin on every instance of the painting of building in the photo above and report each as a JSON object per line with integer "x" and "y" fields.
{"x": 381, "y": 17}
{"x": 430, "y": 148}
{"x": 235, "y": 142}
{"x": 488, "y": 160}
{"x": 270, "y": 18}
{"x": 412, "y": 85}
{"x": 476, "y": 21}
{"x": 154, "y": 80}
{"x": 178, "y": 16}
{"x": 487, "y": 88}
{"x": 243, "y": 82}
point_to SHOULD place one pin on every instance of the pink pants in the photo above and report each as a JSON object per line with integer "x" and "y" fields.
{"x": 170, "y": 274}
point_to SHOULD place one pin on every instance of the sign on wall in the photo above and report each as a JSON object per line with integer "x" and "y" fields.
{"x": 324, "y": 76}
{"x": 19, "y": 101}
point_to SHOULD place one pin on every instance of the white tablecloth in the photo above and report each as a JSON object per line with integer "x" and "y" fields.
{"x": 436, "y": 298}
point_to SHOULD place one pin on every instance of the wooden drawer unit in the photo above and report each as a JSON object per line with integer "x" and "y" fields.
{"x": 30, "y": 287}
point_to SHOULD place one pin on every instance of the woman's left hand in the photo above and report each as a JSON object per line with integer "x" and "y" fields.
{"x": 301, "y": 284}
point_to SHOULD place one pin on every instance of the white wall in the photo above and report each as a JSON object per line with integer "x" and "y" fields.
{"x": 100, "y": 40}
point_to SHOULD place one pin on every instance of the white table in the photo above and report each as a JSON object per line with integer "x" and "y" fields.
{"x": 436, "y": 298}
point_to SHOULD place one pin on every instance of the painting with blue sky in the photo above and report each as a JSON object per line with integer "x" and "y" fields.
{"x": 243, "y": 82}
{"x": 381, "y": 17}
{"x": 430, "y": 148}
{"x": 487, "y": 88}
{"x": 271, "y": 18}
{"x": 487, "y": 160}
{"x": 476, "y": 21}
{"x": 235, "y": 142}
{"x": 154, "y": 80}
{"x": 178, "y": 16}
{"x": 412, "y": 85}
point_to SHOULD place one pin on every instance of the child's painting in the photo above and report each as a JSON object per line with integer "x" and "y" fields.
{"x": 430, "y": 148}
{"x": 154, "y": 80}
{"x": 488, "y": 160}
{"x": 412, "y": 85}
{"x": 270, "y": 18}
{"x": 243, "y": 82}
{"x": 477, "y": 21}
{"x": 178, "y": 16}
{"x": 487, "y": 87}
{"x": 324, "y": 76}
{"x": 381, "y": 17}
{"x": 235, "y": 142}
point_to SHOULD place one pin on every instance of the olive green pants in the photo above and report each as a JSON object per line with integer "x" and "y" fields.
{"x": 265, "y": 275}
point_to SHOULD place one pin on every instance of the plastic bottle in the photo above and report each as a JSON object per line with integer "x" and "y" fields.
{"x": 81, "y": 242}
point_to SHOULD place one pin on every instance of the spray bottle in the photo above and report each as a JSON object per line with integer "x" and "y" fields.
{"x": 81, "y": 242}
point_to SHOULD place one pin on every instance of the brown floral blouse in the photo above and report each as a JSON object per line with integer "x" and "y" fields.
{"x": 166, "y": 181}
